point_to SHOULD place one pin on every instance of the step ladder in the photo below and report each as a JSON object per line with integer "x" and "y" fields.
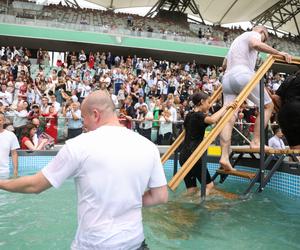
{"x": 273, "y": 160}
{"x": 202, "y": 147}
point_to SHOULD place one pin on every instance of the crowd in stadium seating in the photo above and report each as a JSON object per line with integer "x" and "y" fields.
{"x": 149, "y": 95}
{"x": 109, "y": 21}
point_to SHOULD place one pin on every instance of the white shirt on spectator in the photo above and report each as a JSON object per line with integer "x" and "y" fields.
{"x": 20, "y": 118}
{"x": 114, "y": 98}
{"x": 276, "y": 142}
{"x": 147, "y": 123}
{"x": 173, "y": 113}
{"x": 57, "y": 106}
{"x": 9, "y": 142}
{"x": 275, "y": 86}
{"x": 45, "y": 109}
{"x": 84, "y": 90}
{"x": 165, "y": 126}
{"x": 6, "y": 98}
{"x": 109, "y": 188}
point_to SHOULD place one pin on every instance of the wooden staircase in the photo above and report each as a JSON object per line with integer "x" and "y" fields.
{"x": 199, "y": 151}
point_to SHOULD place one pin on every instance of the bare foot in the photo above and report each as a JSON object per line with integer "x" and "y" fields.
{"x": 209, "y": 188}
{"x": 226, "y": 166}
{"x": 192, "y": 190}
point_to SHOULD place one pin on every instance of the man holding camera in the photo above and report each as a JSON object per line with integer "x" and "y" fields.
{"x": 73, "y": 115}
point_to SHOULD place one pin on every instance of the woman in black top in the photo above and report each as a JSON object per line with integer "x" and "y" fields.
{"x": 195, "y": 124}
{"x": 288, "y": 99}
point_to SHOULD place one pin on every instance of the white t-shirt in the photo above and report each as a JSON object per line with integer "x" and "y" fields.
{"x": 111, "y": 179}
{"x": 240, "y": 53}
{"x": 276, "y": 142}
{"x": 9, "y": 142}
{"x": 165, "y": 126}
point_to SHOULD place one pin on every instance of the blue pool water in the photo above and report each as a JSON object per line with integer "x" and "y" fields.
{"x": 269, "y": 220}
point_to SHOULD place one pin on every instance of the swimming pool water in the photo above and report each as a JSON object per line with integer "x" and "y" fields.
{"x": 268, "y": 220}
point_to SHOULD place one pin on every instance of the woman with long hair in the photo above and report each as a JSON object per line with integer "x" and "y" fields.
{"x": 195, "y": 124}
{"x": 27, "y": 139}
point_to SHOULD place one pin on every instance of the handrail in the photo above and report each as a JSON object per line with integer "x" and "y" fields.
{"x": 180, "y": 138}
{"x": 196, "y": 155}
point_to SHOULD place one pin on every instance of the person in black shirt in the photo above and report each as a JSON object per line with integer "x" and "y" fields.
{"x": 195, "y": 124}
{"x": 287, "y": 98}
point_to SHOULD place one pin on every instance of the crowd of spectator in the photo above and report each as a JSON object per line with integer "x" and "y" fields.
{"x": 151, "y": 97}
{"x": 131, "y": 24}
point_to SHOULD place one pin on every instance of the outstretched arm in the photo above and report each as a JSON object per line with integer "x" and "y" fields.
{"x": 263, "y": 47}
{"x": 217, "y": 116}
{"x": 27, "y": 184}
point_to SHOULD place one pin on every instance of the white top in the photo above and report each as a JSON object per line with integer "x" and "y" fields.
{"x": 173, "y": 113}
{"x": 84, "y": 90}
{"x": 146, "y": 124}
{"x": 110, "y": 179}
{"x": 165, "y": 126}
{"x": 276, "y": 142}
{"x": 20, "y": 118}
{"x": 6, "y": 98}
{"x": 114, "y": 99}
{"x": 240, "y": 53}
{"x": 9, "y": 142}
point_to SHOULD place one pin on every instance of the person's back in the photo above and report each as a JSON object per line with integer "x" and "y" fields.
{"x": 112, "y": 168}
{"x": 240, "y": 52}
{"x": 111, "y": 179}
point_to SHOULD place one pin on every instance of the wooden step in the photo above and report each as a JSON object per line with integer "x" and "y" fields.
{"x": 242, "y": 174}
{"x": 247, "y": 149}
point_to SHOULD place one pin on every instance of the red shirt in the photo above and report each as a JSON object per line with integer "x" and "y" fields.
{"x": 23, "y": 140}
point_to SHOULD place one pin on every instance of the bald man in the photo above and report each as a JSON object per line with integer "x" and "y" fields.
{"x": 240, "y": 65}
{"x": 116, "y": 173}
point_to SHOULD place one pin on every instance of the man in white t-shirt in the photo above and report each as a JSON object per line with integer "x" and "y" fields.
{"x": 241, "y": 59}
{"x": 9, "y": 144}
{"x": 276, "y": 141}
{"x": 113, "y": 180}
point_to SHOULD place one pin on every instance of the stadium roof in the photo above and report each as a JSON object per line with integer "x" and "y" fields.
{"x": 225, "y": 11}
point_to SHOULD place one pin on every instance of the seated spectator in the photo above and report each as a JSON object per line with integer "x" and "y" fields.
{"x": 27, "y": 138}
{"x": 276, "y": 141}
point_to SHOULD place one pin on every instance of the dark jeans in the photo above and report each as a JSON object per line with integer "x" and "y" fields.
{"x": 146, "y": 133}
{"x": 74, "y": 132}
{"x": 165, "y": 139}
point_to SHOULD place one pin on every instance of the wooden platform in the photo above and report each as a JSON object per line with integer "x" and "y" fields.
{"x": 242, "y": 174}
{"x": 247, "y": 149}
